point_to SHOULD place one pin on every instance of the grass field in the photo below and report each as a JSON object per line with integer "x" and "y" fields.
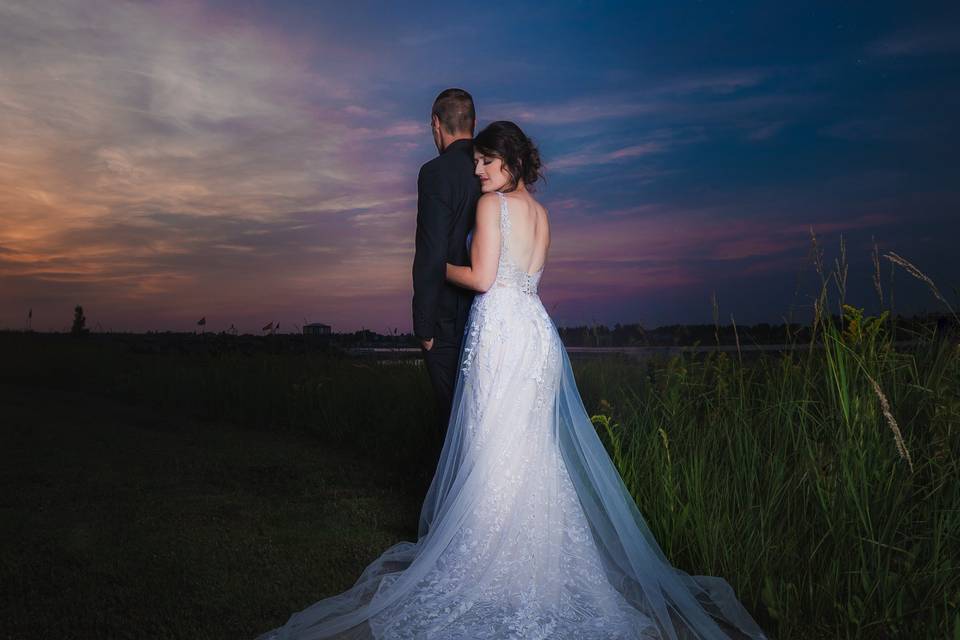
{"x": 124, "y": 523}
{"x": 186, "y": 490}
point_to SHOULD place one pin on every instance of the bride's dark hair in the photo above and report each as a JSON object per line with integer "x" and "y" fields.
{"x": 521, "y": 159}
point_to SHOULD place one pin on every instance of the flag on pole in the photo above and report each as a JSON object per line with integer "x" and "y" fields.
{"x": 202, "y": 321}
{"x": 268, "y": 327}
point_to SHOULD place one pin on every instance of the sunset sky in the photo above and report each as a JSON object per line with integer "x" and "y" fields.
{"x": 256, "y": 161}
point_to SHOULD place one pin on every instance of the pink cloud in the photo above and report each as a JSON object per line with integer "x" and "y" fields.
{"x": 655, "y": 247}
{"x": 575, "y": 111}
{"x": 407, "y": 128}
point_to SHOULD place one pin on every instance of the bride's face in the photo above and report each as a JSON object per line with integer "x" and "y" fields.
{"x": 491, "y": 171}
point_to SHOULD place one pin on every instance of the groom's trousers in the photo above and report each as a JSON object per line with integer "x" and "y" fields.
{"x": 441, "y": 361}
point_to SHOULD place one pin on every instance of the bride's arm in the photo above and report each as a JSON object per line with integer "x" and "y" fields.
{"x": 484, "y": 248}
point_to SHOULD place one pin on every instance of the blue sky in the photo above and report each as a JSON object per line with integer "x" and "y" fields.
{"x": 256, "y": 162}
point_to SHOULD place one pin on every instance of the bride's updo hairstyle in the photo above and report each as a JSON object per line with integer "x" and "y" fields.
{"x": 521, "y": 159}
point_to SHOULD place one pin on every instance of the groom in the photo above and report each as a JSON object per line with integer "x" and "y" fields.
{"x": 447, "y": 194}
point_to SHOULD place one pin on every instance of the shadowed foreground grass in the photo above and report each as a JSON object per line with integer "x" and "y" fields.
{"x": 116, "y": 522}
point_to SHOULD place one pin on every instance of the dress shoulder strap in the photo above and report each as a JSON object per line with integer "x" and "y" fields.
{"x": 504, "y": 217}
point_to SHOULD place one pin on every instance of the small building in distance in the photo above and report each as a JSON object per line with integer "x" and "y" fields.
{"x": 316, "y": 329}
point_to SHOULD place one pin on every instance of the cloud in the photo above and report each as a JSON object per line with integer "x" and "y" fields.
{"x": 766, "y": 131}
{"x": 592, "y": 157}
{"x": 661, "y": 97}
{"x": 890, "y": 128}
{"x": 138, "y": 106}
{"x": 917, "y": 42}
{"x": 421, "y": 37}
{"x": 581, "y": 110}
{"x": 717, "y": 82}
{"x": 156, "y": 154}
{"x": 662, "y": 247}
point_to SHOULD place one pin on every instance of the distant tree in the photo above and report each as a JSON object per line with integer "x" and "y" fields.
{"x": 79, "y": 327}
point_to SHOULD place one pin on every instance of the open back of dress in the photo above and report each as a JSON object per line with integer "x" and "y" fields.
{"x": 524, "y": 240}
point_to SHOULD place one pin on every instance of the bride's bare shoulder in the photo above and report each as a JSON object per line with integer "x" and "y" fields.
{"x": 543, "y": 210}
{"x": 488, "y": 199}
{"x": 540, "y": 210}
{"x": 546, "y": 226}
{"x": 488, "y": 208}
{"x": 543, "y": 219}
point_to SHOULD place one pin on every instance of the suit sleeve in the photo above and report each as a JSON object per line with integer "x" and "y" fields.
{"x": 434, "y": 218}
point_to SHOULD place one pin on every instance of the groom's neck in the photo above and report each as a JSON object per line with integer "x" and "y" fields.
{"x": 447, "y": 141}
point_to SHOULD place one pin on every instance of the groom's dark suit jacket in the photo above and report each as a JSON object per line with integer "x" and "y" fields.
{"x": 447, "y": 194}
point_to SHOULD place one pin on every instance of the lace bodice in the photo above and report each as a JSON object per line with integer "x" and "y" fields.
{"x": 509, "y": 273}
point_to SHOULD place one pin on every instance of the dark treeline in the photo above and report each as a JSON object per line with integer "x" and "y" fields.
{"x": 634, "y": 335}
{"x": 598, "y": 335}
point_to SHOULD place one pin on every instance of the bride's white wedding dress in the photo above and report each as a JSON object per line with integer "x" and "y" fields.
{"x": 527, "y": 531}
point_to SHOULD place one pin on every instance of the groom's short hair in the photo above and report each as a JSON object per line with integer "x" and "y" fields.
{"x": 454, "y": 109}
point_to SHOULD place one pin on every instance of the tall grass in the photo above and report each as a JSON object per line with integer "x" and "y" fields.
{"x": 824, "y": 483}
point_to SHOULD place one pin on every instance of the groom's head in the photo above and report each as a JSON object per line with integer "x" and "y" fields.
{"x": 452, "y": 117}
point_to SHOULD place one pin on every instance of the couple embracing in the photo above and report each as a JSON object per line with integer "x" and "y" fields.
{"x": 527, "y": 531}
{"x": 501, "y": 160}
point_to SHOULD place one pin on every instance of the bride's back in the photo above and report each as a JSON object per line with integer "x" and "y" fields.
{"x": 529, "y": 239}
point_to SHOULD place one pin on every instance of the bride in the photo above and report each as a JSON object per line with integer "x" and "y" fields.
{"x": 527, "y": 530}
